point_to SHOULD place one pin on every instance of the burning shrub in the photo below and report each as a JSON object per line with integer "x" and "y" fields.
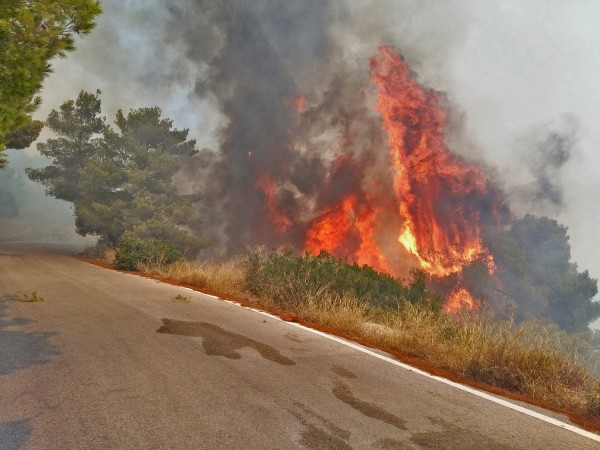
{"x": 133, "y": 252}
{"x": 290, "y": 279}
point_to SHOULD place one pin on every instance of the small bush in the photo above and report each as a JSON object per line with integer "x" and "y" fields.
{"x": 133, "y": 252}
{"x": 181, "y": 299}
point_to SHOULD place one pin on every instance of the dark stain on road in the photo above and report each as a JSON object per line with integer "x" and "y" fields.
{"x": 345, "y": 373}
{"x": 390, "y": 444}
{"x": 293, "y": 337}
{"x": 15, "y": 434}
{"x": 219, "y": 342}
{"x": 21, "y": 349}
{"x": 343, "y": 393}
{"x": 314, "y": 437}
{"x": 317, "y": 439}
{"x": 452, "y": 436}
{"x": 313, "y": 415}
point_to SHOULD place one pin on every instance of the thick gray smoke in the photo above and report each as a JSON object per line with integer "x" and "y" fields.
{"x": 264, "y": 66}
{"x": 251, "y": 50}
{"x": 260, "y": 60}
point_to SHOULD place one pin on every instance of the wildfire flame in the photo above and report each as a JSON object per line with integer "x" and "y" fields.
{"x": 266, "y": 185}
{"x": 348, "y": 229}
{"x": 460, "y": 299}
{"x": 432, "y": 197}
{"x": 299, "y": 103}
{"x": 441, "y": 227}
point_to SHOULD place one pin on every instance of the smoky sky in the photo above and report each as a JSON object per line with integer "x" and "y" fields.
{"x": 544, "y": 150}
{"x": 505, "y": 68}
{"x": 252, "y": 51}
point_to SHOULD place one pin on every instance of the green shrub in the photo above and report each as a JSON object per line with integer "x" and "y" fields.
{"x": 289, "y": 278}
{"x": 132, "y": 252}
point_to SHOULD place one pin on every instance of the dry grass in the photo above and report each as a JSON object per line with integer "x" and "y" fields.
{"x": 101, "y": 253}
{"x": 534, "y": 358}
{"x": 32, "y": 297}
{"x": 226, "y": 279}
{"x": 531, "y": 358}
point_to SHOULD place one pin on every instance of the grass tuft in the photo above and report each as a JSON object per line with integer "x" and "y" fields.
{"x": 226, "y": 279}
{"x": 101, "y": 253}
{"x": 33, "y": 297}
{"x": 181, "y": 299}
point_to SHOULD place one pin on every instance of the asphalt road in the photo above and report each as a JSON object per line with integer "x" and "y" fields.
{"x": 109, "y": 361}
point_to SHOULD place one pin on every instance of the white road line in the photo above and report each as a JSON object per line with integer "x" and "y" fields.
{"x": 462, "y": 387}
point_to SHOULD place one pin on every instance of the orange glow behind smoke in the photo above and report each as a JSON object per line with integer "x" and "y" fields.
{"x": 281, "y": 222}
{"x": 299, "y": 103}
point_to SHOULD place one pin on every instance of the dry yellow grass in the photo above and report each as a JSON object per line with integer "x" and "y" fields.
{"x": 101, "y": 253}
{"x": 226, "y": 279}
{"x": 534, "y": 359}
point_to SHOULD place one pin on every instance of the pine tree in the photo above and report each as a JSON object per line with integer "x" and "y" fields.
{"x": 32, "y": 33}
{"x": 120, "y": 180}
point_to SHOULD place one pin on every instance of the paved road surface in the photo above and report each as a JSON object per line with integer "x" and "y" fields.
{"x": 110, "y": 361}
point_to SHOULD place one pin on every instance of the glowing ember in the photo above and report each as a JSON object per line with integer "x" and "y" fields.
{"x": 299, "y": 103}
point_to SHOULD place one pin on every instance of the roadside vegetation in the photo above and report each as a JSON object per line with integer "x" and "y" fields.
{"x": 119, "y": 178}
{"x": 534, "y": 358}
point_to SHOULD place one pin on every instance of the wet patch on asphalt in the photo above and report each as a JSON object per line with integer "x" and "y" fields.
{"x": 344, "y": 373}
{"x": 219, "y": 342}
{"x": 316, "y": 439}
{"x": 390, "y": 444}
{"x": 451, "y": 436}
{"x": 319, "y": 432}
{"x": 332, "y": 427}
{"x": 344, "y": 393}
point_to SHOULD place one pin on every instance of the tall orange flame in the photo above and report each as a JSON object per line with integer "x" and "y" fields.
{"x": 441, "y": 226}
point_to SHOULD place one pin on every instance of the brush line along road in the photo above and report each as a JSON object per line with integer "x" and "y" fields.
{"x": 111, "y": 360}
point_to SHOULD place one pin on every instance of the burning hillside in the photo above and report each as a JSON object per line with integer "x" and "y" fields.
{"x": 425, "y": 205}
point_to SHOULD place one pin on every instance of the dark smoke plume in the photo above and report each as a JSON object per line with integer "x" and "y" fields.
{"x": 254, "y": 52}
{"x": 545, "y": 151}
